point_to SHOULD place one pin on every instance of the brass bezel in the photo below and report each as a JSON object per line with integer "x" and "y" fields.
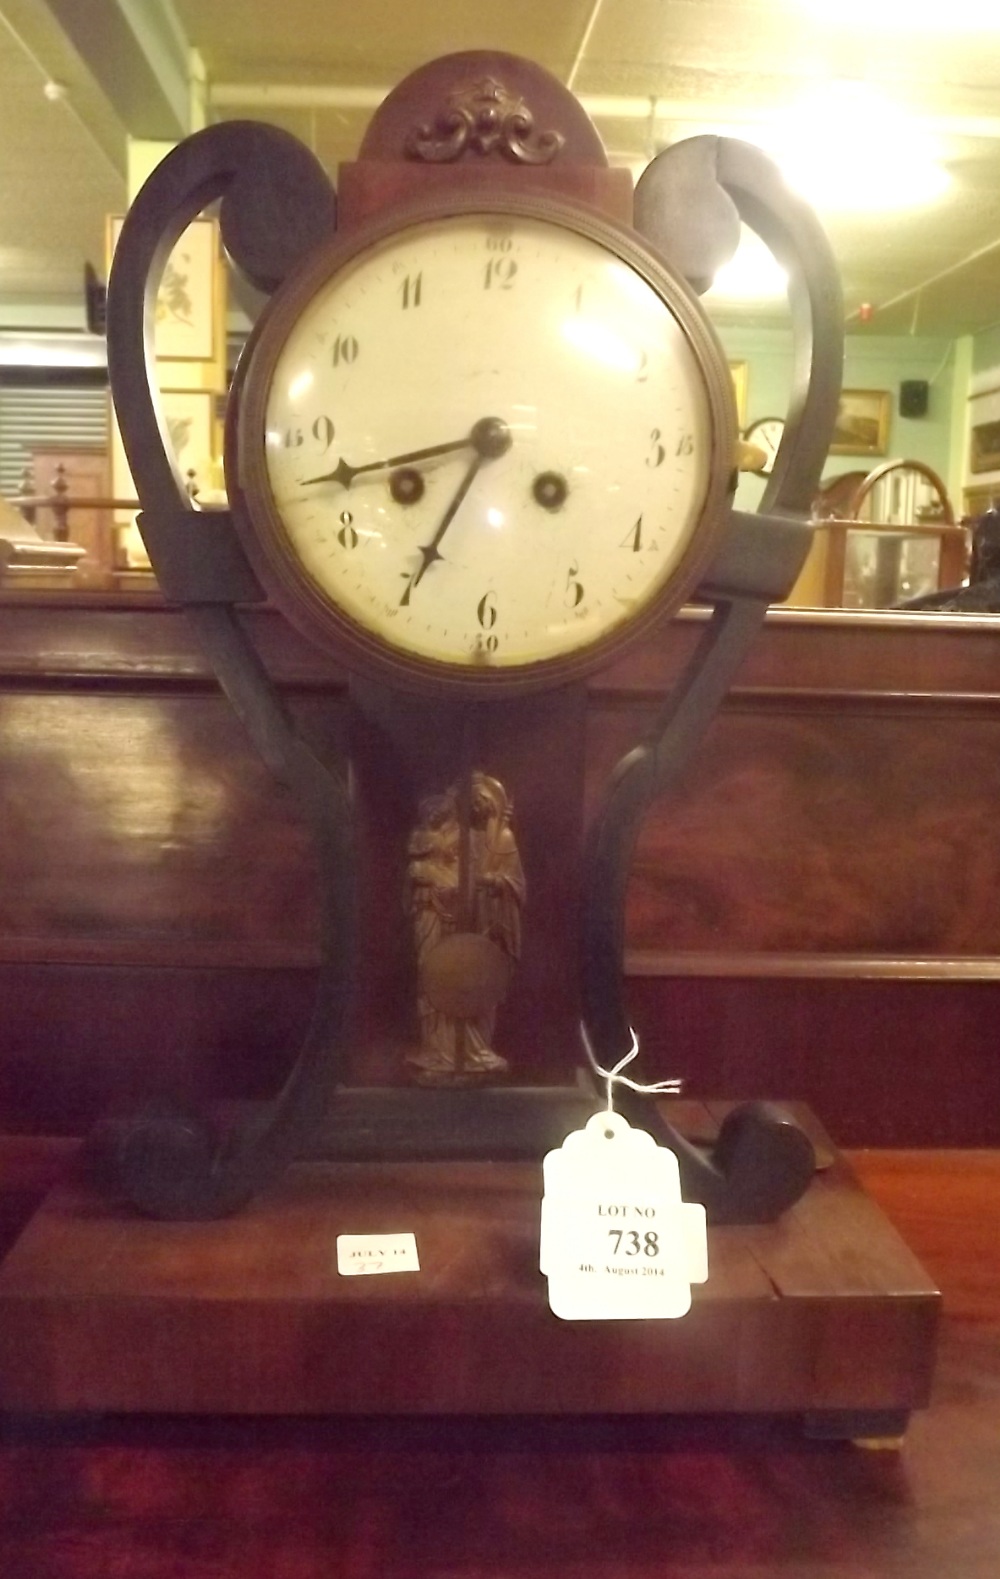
{"x": 259, "y": 522}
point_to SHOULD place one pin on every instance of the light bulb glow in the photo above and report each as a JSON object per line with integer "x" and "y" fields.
{"x": 845, "y": 146}
{"x": 907, "y": 16}
{"x": 752, "y": 274}
{"x": 595, "y": 339}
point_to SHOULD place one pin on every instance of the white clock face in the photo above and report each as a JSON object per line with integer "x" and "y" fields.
{"x": 488, "y": 441}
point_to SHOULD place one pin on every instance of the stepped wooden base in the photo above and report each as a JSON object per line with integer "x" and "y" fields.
{"x": 825, "y": 1313}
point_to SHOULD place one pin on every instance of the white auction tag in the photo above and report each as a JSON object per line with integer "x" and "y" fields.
{"x": 617, "y": 1240}
{"x": 360, "y": 1255}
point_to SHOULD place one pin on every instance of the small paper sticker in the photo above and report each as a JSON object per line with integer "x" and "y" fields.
{"x": 617, "y": 1241}
{"x": 363, "y": 1255}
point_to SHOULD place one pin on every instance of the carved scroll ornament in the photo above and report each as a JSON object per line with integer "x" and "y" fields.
{"x": 485, "y": 118}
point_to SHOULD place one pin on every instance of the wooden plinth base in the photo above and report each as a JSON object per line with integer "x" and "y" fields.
{"x": 825, "y": 1313}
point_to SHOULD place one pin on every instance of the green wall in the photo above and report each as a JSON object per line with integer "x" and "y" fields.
{"x": 986, "y": 350}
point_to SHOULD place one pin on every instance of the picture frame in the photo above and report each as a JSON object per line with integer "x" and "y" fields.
{"x": 862, "y": 425}
{"x": 739, "y": 373}
{"x": 190, "y": 418}
{"x": 984, "y": 447}
{"x": 186, "y": 300}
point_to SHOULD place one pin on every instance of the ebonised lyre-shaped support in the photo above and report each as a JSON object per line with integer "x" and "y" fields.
{"x": 275, "y": 205}
{"x": 690, "y": 202}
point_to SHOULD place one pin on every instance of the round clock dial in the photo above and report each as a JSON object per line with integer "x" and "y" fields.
{"x": 485, "y": 442}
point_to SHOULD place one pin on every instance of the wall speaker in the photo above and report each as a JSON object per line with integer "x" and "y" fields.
{"x": 914, "y": 394}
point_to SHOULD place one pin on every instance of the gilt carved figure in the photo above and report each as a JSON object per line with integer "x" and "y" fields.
{"x": 465, "y": 892}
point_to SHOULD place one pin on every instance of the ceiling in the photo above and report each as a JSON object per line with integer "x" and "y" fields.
{"x": 79, "y": 76}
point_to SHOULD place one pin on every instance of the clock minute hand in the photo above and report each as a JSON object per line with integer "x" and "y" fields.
{"x": 345, "y": 473}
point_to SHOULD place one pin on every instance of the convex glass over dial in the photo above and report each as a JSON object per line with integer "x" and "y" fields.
{"x": 490, "y": 441}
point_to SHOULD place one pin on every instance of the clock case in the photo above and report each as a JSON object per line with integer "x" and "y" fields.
{"x": 476, "y": 126}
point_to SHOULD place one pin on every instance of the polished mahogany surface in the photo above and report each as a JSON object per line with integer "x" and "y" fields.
{"x": 822, "y": 1313}
{"x": 814, "y": 911}
{"x": 698, "y": 1499}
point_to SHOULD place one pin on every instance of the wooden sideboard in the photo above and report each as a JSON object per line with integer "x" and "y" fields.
{"x": 814, "y": 913}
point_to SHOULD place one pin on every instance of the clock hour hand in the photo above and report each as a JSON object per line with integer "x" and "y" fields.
{"x": 345, "y": 474}
{"x": 490, "y": 437}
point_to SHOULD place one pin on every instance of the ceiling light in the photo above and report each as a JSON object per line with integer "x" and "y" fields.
{"x": 845, "y": 146}
{"x": 752, "y": 274}
{"x": 907, "y": 16}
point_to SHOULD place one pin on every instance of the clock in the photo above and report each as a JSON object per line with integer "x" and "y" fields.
{"x": 481, "y": 442}
{"x": 484, "y": 443}
{"x": 766, "y": 433}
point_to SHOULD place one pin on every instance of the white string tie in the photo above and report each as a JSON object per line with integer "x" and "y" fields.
{"x": 613, "y": 1077}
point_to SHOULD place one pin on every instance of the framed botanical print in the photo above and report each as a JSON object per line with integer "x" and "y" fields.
{"x": 186, "y": 300}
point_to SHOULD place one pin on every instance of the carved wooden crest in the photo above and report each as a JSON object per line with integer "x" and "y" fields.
{"x": 485, "y": 118}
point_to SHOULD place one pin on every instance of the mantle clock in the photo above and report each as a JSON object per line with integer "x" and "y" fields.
{"x": 481, "y": 444}
{"x": 480, "y": 448}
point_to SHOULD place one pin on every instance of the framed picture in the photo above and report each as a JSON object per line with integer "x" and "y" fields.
{"x": 862, "y": 426}
{"x": 738, "y": 374}
{"x": 186, "y": 300}
{"x": 984, "y": 447}
{"x": 189, "y": 415}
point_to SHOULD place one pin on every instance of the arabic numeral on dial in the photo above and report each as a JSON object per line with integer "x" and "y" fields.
{"x": 574, "y": 588}
{"x": 410, "y": 290}
{"x": 656, "y": 454}
{"x": 345, "y": 349}
{"x": 500, "y": 272}
{"x": 323, "y": 431}
{"x": 292, "y": 438}
{"x": 486, "y": 643}
{"x": 347, "y": 537}
{"x": 497, "y": 243}
{"x": 633, "y": 538}
{"x": 685, "y": 444}
{"x": 486, "y": 611}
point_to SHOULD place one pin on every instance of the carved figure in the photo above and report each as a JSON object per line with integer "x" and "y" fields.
{"x": 465, "y": 906}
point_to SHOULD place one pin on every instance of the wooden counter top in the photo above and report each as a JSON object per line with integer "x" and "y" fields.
{"x": 688, "y": 1499}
